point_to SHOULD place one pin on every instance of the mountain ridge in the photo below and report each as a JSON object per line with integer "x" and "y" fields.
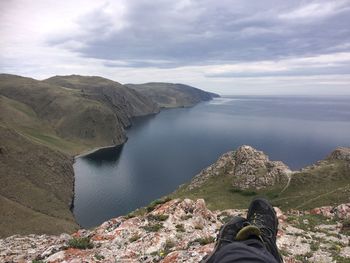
{"x": 163, "y": 94}
{"x": 323, "y": 183}
{"x": 62, "y": 116}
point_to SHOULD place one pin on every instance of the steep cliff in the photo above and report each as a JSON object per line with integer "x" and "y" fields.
{"x": 169, "y": 95}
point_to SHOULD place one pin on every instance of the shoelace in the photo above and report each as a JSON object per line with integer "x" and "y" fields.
{"x": 258, "y": 221}
{"x": 267, "y": 233}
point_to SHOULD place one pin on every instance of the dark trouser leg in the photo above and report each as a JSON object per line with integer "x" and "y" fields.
{"x": 247, "y": 251}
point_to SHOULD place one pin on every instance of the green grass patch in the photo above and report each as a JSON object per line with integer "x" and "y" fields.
{"x": 340, "y": 259}
{"x": 80, "y": 243}
{"x": 134, "y": 238}
{"x": 345, "y": 230}
{"x": 244, "y": 192}
{"x": 153, "y": 205}
{"x": 153, "y": 227}
{"x": 169, "y": 244}
{"x": 309, "y": 222}
{"x": 314, "y": 245}
{"x": 180, "y": 228}
{"x": 327, "y": 184}
{"x": 204, "y": 241}
{"x": 186, "y": 217}
{"x": 161, "y": 217}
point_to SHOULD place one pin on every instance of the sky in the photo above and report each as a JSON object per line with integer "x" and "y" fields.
{"x": 228, "y": 46}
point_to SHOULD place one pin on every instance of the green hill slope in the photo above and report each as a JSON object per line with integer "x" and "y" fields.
{"x": 325, "y": 183}
{"x": 60, "y": 118}
{"x": 42, "y": 126}
{"x": 36, "y": 187}
{"x": 169, "y": 95}
{"x": 124, "y": 102}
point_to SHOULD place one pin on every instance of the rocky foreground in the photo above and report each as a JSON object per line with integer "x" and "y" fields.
{"x": 184, "y": 231}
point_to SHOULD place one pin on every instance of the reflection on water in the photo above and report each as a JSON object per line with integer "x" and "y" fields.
{"x": 168, "y": 149}
{"x": 104, "y": 156}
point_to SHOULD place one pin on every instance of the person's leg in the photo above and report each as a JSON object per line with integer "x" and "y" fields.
{"x": 251, "y": 240}
{"x": 226, "y": 236}
{"x": 248, "y": 251}
{"x": 262, "y": 215}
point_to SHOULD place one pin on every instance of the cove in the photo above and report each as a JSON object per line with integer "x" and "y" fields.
{"x": 168, "y": 149}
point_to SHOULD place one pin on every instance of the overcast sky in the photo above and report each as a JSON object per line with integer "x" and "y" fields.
{"x": 229, "y": 47}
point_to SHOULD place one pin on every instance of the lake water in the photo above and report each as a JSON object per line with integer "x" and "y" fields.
{"x": 168, "y": 149}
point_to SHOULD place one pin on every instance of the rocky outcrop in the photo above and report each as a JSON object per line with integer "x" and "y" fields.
{"x": 248, "y": 167}
{"x": 341, "y": 153}
{"x": 177, "y": 231}
{"x": 341, "y": 211}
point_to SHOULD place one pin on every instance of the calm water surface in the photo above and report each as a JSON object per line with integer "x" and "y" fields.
{"x": 168, "y": 149}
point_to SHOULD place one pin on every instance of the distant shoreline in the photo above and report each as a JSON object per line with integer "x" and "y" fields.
{"x": 116, "y": 145}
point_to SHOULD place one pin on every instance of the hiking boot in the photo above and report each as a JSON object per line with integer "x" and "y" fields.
{"x": 226, "y": 236}
{"x": 262, "y": 216}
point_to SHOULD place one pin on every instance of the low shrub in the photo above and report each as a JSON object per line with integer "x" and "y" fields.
{"x": 80, "y": 243}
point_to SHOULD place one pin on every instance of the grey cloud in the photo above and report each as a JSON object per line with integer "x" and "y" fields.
{"x": 158, "y": 34}
{"x": 339, "y": 70}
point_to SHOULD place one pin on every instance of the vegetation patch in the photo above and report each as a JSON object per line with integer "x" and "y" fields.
{"x": 309, "y": 222}
{"x": 198, "y": 226}
{"x": 153, "y": 227}
{"x": 153, "y": 205}
{"x": 314, "y": 245}
{"x": 169, "y": 244}
{"x": 186, "y": 217}
{"x": 99, "y": 257}
{"x": 345, "y": 230}
{"x": 203, "y": 241}
{"x": 161, "y": 217}
{"x": 134, "y": 238}
{"x": 243, "y": 192}
{"x": 80, "y": 243}
{"x": 325, "y": 184}
{"x": 340, "y": 259}
{"x": 180, "y": 228}
{"x": 130, "y": 215}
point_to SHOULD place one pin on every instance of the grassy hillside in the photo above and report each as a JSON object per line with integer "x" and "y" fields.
{"x": 124, "y": 102}
{"x": 60, "y": 118}
{"x": 327, "y": 183}
{"x": 36, "y": 187}
{"x": 169, "y": 95}
{"x": 42, "y": 126}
